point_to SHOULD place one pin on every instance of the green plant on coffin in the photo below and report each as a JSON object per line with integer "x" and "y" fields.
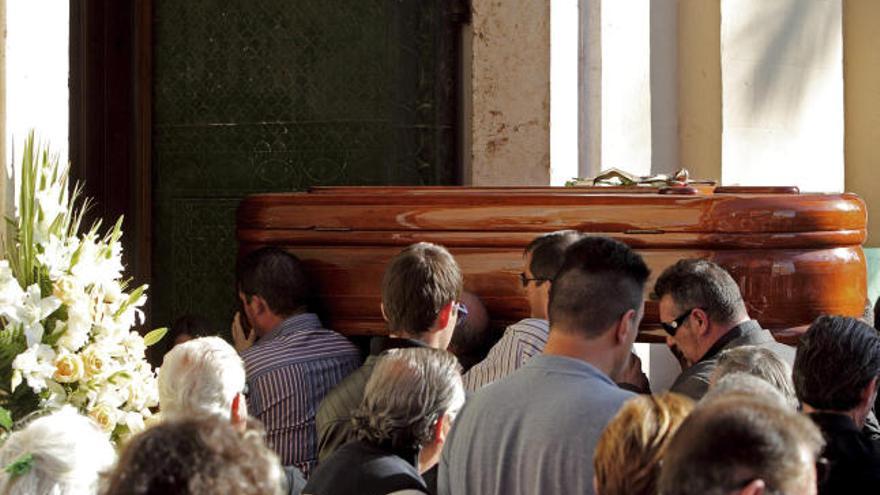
{"x": 66, "y": 317}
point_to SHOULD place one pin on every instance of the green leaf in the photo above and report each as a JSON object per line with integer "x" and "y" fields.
{"x": 5, "y": 418}
{"x": 155, "y": 336}
{"x": 133, "y": 298}
{"x": 21, "y": 465}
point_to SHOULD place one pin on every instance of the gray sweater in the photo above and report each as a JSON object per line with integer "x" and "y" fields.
{"x": 532, "y": 432}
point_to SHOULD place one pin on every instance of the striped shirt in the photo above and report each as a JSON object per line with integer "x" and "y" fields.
{"x": 520, "y": 342}
{"x": 289, "y": 371}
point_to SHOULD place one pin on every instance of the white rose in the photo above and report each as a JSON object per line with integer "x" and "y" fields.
{"x": 96, "y": 361}
{"x": 69, "y": 368}
{"x": 105, "y": 416}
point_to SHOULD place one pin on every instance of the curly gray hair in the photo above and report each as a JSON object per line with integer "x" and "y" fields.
{"x": 408, "y": 391}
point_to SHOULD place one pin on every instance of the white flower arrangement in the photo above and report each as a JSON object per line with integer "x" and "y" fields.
{"x": 65, "y": 316}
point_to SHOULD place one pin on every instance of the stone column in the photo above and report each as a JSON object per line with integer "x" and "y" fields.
{"x": 510, "y": 87}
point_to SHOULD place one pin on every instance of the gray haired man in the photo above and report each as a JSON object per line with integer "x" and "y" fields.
{"x": 410, "y": 401}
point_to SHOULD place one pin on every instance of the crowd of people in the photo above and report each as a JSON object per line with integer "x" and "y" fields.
{"x": 558, "y": 405}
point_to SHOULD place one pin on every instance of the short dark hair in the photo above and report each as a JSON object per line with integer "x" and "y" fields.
{"x": 275, "y": 275}
{"x": 418, "y": 283}
{"x": 733, "y": 440}
{"x": 836, "y": 359}
{"x": 548, "y": 252}
{"x": 195, "y": 456}
{"x": 600, "y": 280}
{"x": 699, "y": 283}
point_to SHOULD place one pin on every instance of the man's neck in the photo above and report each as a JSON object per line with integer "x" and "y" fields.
{"x": 857, "y": 415}
{"x": 718, "y": 332}
{"x": 430, "y": 339}
{"x": 273, "y": 321}
{"x": 592, "y": 351}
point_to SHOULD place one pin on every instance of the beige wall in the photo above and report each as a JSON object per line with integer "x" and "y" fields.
{"x": 510, "y": 92}
{"x": 861, "y": 49}
{"x": 699, "y": 79}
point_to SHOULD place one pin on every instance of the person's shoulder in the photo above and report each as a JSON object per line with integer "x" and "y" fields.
{"x": 529, "y": 327}
{"x": 347, "y": 394}
{"x": 694, "y": 381}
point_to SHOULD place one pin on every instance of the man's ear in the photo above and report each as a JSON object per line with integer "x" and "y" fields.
{"x": 867, "y": 394}
{"x": 258, "y": 305}
{"x": 702, "y": 320}
{"x": 441, "y": 428}
{"x": 443, "y": 317}
{"x": 382, "y": 309}
{"x": 238, "y": 414}
{"x": 624, "y": 326}
{"x": 756, "y": 487}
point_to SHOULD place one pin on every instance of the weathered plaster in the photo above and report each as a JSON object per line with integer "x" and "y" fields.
{"x": 511, "y": 92}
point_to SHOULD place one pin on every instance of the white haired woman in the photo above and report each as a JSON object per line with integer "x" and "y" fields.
{"x": 63, "y": 453}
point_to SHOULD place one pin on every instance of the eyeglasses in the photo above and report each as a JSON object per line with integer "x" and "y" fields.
{"x": 524, "y": 279}
{"x": 461, "y": 309}
{"x": 673, "y": 326}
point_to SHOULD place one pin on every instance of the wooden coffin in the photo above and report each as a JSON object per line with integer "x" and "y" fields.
{"x": 795, "y": 256}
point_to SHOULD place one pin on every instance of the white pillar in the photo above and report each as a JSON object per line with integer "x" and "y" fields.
{"x": 626, "y": 85}
{"x": 564, "y": 33}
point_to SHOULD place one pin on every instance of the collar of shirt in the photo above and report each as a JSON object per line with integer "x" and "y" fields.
{"x": 743, "y": 329}
{"x": 378, "y": 345}
{"x": 570, "y": 365}
{"x": 836, "y": 422}
{"x": 295, "y": 323}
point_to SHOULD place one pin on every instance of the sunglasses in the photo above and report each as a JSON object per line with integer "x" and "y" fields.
{"x": 524, "y": 279}
{"x": 674, "y": 325}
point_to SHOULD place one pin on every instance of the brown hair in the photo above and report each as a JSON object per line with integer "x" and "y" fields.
{"x": 418, "y": 283}
{"x": 627, "y": 459}
{"x": 728, "y": 442}
{"x": 196, "y": 457}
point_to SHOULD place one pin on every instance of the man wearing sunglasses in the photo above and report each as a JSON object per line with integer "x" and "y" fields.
{"x": 420, "y": 292}
{"x": 703, "y": 313}
{"x": 525, "y": 338}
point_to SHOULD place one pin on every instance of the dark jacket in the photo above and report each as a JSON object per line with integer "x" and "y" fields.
{"x": 360, "y": 468}
{"x": 853, "y": 458}
{"x": 694, "y": 381}
{"x": 333, "y": 420}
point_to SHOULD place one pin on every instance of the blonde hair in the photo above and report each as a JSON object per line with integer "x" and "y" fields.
{"x": 627, "y": 458}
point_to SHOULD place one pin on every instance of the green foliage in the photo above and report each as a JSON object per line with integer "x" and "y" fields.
{"x": 155, "y": 336}
{"x": 5, "y": 419}
{"x": 21, "y": 465}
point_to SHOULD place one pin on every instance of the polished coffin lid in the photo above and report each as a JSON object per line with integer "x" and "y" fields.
{"x": 795, "y": 256}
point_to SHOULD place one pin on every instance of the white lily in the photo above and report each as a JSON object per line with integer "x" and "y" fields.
{"x": 36, "y": 365}
{"x": 33, "y": 310}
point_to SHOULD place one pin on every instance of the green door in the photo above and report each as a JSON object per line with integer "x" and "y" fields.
{"x": 279, "y": 95}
